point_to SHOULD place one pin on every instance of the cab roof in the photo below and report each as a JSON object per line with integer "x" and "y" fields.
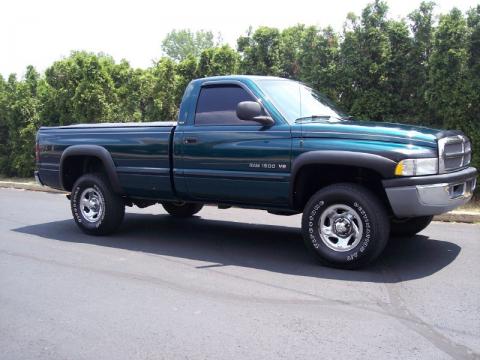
{"x": 253, "y": 78}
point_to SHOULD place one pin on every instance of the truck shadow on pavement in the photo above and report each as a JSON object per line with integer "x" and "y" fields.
{"x": 274, "y": 248}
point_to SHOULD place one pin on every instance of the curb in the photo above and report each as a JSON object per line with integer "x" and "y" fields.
{"x": 468, "y": 217}
{"x": 29, "y": 186}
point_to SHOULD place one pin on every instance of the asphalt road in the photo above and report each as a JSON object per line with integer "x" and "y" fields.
{"x": 229, "y": 284}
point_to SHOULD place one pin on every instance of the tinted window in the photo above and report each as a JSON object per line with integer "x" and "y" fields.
{"x": 217, "y": 106}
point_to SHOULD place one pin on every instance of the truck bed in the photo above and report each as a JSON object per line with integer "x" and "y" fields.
{"x": 140, "y": 151}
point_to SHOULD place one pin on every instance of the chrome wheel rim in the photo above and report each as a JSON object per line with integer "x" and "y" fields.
{"x": 91, "y": 205}
{"x": 340, "y": 227}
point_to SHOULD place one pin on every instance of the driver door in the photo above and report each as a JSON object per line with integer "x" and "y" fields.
{"x": 229, "y": 160}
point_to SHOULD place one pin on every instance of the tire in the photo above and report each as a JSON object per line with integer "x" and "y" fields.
{"x": 409, "y": 226}
{"x": 96, "y": 209}
{"x": 182, "y": 209}
{"x": 358, "y": 223}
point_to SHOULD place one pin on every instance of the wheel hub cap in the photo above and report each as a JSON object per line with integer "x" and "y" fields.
{"x": 342, "y": 226}
{"x": 91, "y": 205}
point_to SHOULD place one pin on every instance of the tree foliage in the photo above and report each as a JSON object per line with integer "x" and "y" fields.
{"x": 422, "y": 70}
{"x": 260, "y": 51}
{"x": 179, "y": 44}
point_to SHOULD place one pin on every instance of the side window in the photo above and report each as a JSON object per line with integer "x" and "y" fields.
{"x": 217, "y": 105}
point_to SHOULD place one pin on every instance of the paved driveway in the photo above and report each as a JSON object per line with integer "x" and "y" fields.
{"x": 229, "y": 284}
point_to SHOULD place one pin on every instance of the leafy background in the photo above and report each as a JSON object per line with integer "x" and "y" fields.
{"x": 422, "y": 70}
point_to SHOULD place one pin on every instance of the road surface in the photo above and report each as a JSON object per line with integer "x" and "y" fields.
{"x": 227, "y": 284}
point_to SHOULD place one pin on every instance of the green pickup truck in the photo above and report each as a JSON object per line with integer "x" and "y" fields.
{"x": 264, "y": 143}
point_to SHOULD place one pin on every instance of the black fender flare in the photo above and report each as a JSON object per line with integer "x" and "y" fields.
{"x": 380, "y": 164}
{"x": 95, "y": 151}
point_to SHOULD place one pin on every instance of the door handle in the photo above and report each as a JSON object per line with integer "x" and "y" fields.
{"x": 189, "y": 140}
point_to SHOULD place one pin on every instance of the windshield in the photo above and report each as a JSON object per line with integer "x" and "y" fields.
{"x": 298, "y": 102}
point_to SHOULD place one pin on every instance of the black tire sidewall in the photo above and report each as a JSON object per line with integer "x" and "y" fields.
{"x": 113, "y": 208}
{"x": 409, "y": 227}
{"x": 77, "y": 190}
{"x": 184, "y": 210}
{"x": 371, "y": 242}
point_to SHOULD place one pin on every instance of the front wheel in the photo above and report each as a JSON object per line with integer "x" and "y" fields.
{"x": 345, "y": 226}
{"x": 182, "y": 209}
{"x": 409, "y": 226}
{"x": 97, "y": 210}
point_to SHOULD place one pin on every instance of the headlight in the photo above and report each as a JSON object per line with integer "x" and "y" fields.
{"x": 415, "y": 167}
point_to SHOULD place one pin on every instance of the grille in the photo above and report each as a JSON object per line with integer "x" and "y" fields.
{"x": 455, "y": 153}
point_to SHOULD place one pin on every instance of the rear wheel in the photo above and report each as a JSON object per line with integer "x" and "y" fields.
{"x": 345, "y": 226}
{"x": 182, "y": 209}
{"x": 96, "y": 209}
{"x": 409, "y": 226}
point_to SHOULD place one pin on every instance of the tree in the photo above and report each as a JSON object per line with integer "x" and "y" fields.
{"x": 218, "y": 61}
{"x": 260, "y": 52}
{"x": 159, "y": 93}
{"x": 472, "y": 126}
{"x": 21, "y": 121}
{"x": 186, "y": 71}
{"x": 82, "y": 89}
{"x": 95, "y": 99}
{"x": 448, "y": 85}
{"x": 179, "y": 44}
{"x": 127, "y": 85}
{"x": 364, "y": 54}
{"x": 291, "y": 49}
{"x": 454, "y": 81}
{"x": 4, "y": 161}
{"x": 399, "y": 82}
{"x": 422, "y": 27}
{"x": 318, "y": 59}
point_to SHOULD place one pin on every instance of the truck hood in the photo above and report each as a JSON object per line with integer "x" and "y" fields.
{"x": 370, "y": 130}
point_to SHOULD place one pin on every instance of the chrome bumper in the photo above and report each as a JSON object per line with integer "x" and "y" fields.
{"x": 430, "y": 199}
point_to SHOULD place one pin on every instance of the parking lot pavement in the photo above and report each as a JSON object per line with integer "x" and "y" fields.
{"x": 225, "y": 284}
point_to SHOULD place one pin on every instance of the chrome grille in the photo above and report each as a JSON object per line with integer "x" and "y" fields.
{"x": 455, "y": 153}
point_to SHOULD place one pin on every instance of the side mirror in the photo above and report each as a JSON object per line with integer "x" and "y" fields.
{"x": 252, "y": 111}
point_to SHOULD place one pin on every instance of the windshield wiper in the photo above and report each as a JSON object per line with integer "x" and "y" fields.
{"x": 313, "y": 117}
{"x": 329, "y": 118}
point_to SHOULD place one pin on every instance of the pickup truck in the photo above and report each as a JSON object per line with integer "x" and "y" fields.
{"x": 264, "y": 143}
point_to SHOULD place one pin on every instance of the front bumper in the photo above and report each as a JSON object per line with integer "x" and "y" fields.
{"x": 430, "y": 195}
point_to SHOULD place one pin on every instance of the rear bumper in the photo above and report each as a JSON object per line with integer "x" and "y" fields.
{"x": 430, "y": 195}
